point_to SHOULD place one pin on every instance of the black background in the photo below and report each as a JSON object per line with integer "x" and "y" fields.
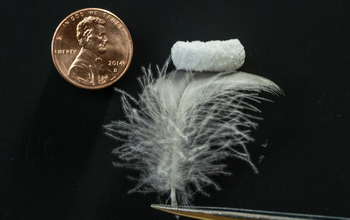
{"x": 56, "y": 162}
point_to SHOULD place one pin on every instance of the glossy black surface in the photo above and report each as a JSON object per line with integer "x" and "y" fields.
{"x": 56, "y": 162}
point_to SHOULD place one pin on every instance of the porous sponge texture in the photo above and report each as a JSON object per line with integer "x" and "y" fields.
{"x": 216, "y": 56}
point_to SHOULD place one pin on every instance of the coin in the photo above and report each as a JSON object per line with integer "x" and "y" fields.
{"x": 92, "y": 48}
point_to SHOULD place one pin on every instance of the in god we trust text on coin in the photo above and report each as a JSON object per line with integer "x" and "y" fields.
{"x": 92, "y": 48}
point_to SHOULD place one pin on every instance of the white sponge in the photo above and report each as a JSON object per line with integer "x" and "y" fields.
{"x": 217, "y": 56}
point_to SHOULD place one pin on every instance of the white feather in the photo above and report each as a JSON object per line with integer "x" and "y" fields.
{"x": 183, "y": 125}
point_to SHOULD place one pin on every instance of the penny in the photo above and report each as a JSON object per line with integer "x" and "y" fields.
{"x": 92, "y": 48}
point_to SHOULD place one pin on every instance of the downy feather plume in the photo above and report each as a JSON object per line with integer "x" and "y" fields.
{"x": 183, "y": 125}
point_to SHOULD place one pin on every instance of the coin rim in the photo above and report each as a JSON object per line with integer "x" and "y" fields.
{"x": 99, "y": 86}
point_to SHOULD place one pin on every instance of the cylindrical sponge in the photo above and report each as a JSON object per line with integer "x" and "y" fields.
{"x": 216, "y": 56}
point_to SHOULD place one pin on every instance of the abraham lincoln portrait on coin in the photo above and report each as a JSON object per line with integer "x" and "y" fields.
{"x": 87, "y": 68}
